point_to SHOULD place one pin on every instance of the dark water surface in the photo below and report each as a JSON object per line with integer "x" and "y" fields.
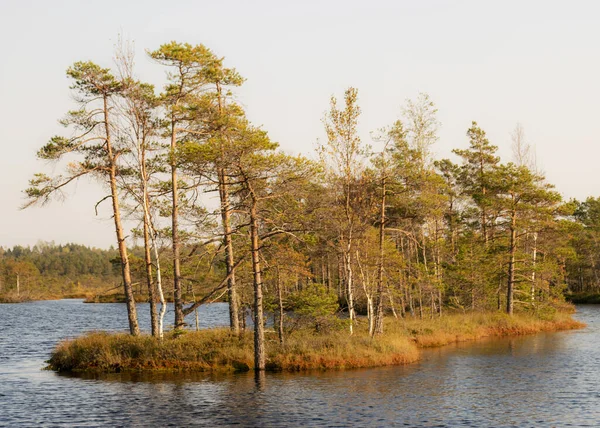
{"x": 543, "y": 380}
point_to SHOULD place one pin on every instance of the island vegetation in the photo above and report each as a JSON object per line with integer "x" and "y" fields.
{"x": 220, "y": 350}
{"x": 354, "y": 256}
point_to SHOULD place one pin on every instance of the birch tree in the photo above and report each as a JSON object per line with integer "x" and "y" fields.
{"x": 343, "y": 156}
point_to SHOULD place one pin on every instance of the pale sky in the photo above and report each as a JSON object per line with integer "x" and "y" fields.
{"x": 496, "y": 62}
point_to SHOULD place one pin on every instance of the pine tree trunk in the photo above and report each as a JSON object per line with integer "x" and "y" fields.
{"x": 259, "y": 333}
{"x": 229, "y": 257}
{"x": 380, "y": 288}
{"x": 177, "y": 300}
{"x": 234, "y": 312}
{"x": 511, "y": 265}
{"x": 134, "y": 328}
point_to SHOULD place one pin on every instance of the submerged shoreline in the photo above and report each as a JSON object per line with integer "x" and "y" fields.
{"x": 219, "y": 350}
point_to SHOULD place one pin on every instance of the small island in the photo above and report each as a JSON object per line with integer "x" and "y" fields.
{"x": 357, "y": 255}
{"x": 220, "y": 350}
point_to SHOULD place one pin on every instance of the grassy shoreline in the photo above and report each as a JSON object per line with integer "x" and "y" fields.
{"x": 217, "y": 350}
{"x": 25, "y": 298}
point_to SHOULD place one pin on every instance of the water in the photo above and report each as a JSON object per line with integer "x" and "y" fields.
{"x": 542, "y": 380}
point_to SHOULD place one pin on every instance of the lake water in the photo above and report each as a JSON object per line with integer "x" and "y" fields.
{"x": 548, "y": 379}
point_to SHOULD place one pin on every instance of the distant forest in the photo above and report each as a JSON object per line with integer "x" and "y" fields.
{"x": 59, "y": 270}
{"x": 48, "y": 270}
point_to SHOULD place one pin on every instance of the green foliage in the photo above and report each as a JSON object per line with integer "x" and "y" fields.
{"x": 314, "y": 305}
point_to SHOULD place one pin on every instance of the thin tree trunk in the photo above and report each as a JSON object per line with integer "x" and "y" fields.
{"x": 328, "y": 273}
{"x": 380, "y": 291}
{"x": 483, "y": 212}
{"x": 535, "y": 238}
{"x": 349, "y": 285}
{"x": 177, "y": 300}
{"x": 391, "y": 299}
{"x": 134, "y": 328}
{"x": 234, "y": 315}
{"x": 511, "y": 265}
{"x": 348, "y": 258}
{"x": 147, "y": 254}
{"x": 409, "y": 297}
{"x": 159, "y": 289}
{"x": 369, "y": 296}
{"x": 151, "y": 290}
{"x": 229, "y": 256}
{"x": 340, "y": 282}
{"x": 420, "y": 301}
{"x": 259, "y": 333}
{"x": 280, "y": 307}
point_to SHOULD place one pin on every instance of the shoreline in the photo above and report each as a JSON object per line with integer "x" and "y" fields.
{"x": 218, "y": 350}
{"x": 583, "y": 298}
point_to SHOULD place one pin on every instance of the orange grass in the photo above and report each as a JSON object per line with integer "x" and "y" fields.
{"x": 220, "y": 350}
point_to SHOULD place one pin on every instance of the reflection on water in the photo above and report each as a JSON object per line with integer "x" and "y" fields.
{"x": 543, "y": 380}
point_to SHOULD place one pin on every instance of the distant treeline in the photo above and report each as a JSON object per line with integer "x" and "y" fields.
{"x": 48, "y": 270}
{"x": 62, "y": 260}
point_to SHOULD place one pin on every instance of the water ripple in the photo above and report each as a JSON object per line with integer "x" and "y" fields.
{"x": 544, "y": 380}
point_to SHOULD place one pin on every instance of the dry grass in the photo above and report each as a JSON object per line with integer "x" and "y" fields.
{"x": 305, "y": 350}
{"x": 12, "y": 297}
{"x": 197, "y": 351}
{"x": 472, "y": 326}
{"x": 220, "y": 350}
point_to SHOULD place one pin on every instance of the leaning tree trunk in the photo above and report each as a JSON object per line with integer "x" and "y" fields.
{"x": 159, "y": 289}
{"x": 134, "y": 328}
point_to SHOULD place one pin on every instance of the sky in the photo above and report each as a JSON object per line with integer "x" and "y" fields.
{"x": 496, "y": 62}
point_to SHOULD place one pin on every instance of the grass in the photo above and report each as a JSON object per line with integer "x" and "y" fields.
{"x": 13, "y": 298}
{"x": 219, "y": 350}
{"x": 473, "y": 326}
{"x": 29, "y": 295}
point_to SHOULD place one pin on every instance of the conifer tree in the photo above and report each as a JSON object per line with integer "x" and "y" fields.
{"x": 96, "y": 153}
